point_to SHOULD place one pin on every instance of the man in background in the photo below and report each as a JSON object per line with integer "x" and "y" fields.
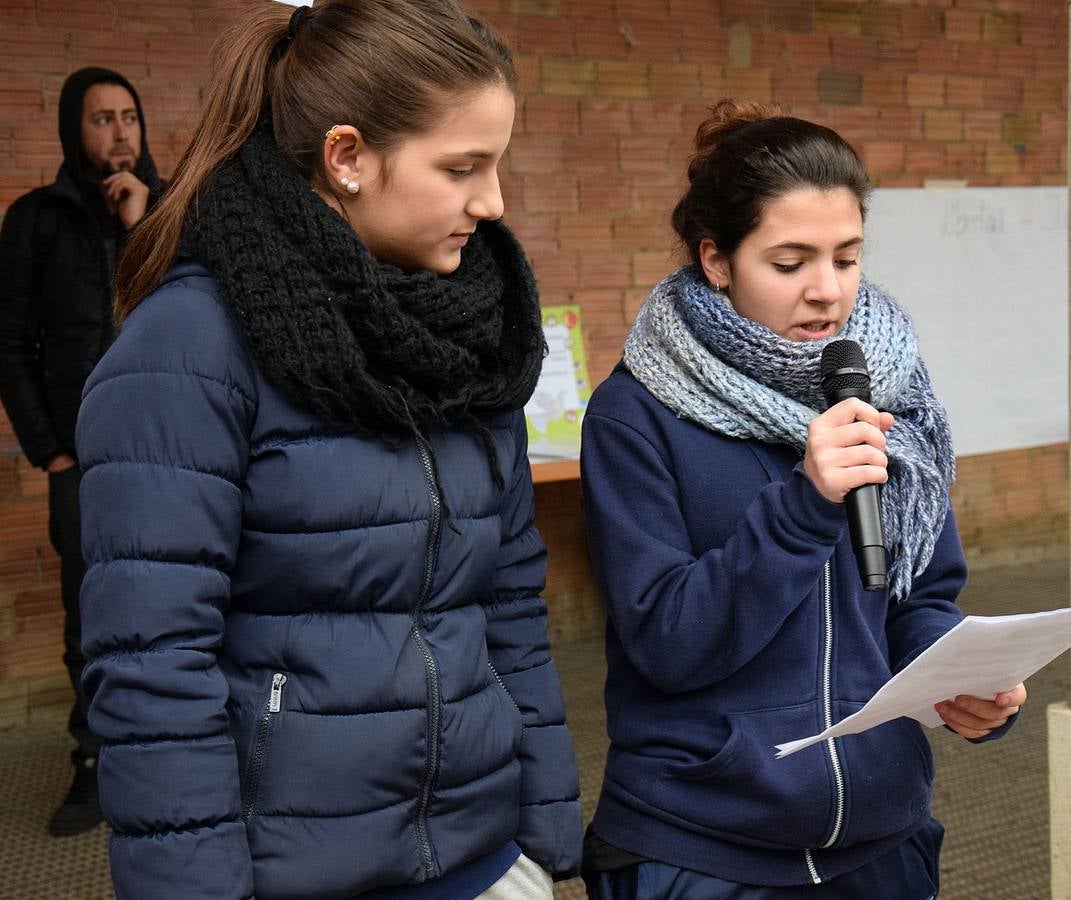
{"x": 58, "y": 247}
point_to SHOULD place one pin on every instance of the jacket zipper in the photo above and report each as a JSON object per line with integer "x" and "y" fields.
{"x": 502, "y": 685}
{"x": 431, "y": 767}
{"x": 827, "y": 714}
{"x": 275, "y": 703}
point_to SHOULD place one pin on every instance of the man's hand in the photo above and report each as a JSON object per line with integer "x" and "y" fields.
{"x": 127, "y": 197}
{"x": 973, "y": 717}
{"x": 60, "y": 463}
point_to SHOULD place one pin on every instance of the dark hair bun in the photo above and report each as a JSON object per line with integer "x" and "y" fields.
{"x": 726, "y": 116}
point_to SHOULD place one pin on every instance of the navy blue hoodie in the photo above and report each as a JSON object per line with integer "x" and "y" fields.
{"x": 737, "y": 621}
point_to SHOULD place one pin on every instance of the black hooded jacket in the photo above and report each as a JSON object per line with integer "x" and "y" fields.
{"x": 57, "y": 263}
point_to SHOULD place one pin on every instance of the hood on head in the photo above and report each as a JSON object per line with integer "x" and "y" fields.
{"x": 70, "y": 123}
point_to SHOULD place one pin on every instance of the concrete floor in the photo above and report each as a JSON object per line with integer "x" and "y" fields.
{"x": 993, "y": 799}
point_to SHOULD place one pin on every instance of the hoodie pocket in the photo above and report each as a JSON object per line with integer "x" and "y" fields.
{"x": 260, "y": 744}
{"x": 742, "y": 791}
{"x": 889, "y": 775}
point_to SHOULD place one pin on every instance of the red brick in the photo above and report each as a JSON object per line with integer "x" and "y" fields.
{"x": 571, "y": 77}
{"x": 658, "y": 195}
{"x": 643, "y": 155}
{"x": 701, "y": 42}
{"x": 882, "y": 22}
{"x": 854, "y": 54}
{"x": 550, "y": 193}
{"x": 622, "y": 79}
{"x": 898, "y": 57}
{"x": 662, "y": 119}
{"x": 925, "y": 90}
{"x": 599, "y": 193}
{"x": 674, "y": 81}
{"x": 600, "y": 116}
{"x": 792, "y": 15}
{"x": 808, "y": 51}
{"x": 964, "y": 92}
{"x": 554, "y": 271}
{"x": 963, "y": 25}
{"x": 1000, "y": 28}
{"x": 144, "y": 16}
{"x": 546, "y": 35}
{"x": 838, "y": 17}
{"x": 1044, "y": 157}
{"x": 1003, "y": 93}
{"x": 551, "y": 115}
{"x": 795, "y": 87}
{"x": 601, "y": 307}
{"x": 754, "y": 84}
{"x": 651, "y": 39}
{"x": 749, "y": 12}
{"x": 604, "y": 270}
{"x": 600, "y": 39}
{"x": 88, "y": 15}
{"x": 982, "y": 125}
{"x": 965, "y": 159}
{"x": 921, "y": 23}
{"x": 585, "y": 233}
{"x": 942, "y": 124}
{"x": 880, "y": 89}
{"x": 536, "y": 233}
{"x": 924, "y": 158}
{"x": 1016, "y": 62}
{"x": 591, "y": 154}
{"x": 641, "y": 232}
{"x": 532, "y": 154}
{"x": 972, "y": 59}
{"x": 1001, "y": 159}
{"x": 883, "y": 157}
{"x": 651, "y": 266}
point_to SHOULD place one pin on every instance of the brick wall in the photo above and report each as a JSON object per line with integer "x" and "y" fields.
{"x": 611, "y": 92}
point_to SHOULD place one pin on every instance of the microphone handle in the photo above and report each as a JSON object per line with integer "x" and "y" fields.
{"x": 868, "y": 538}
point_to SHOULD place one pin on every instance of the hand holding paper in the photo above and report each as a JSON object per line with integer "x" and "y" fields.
{"x": 975, "y": 717}
{"x": 981, "y": 656}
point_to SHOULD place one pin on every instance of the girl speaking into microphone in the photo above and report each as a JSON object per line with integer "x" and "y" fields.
{"x": 714, "y": 493}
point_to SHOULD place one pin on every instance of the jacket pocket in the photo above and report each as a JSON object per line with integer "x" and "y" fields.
{"x": 519, "y": 731}
{"x": 742, "y": 791}
{"x": 260, "y": 744}
{"x": 889, "y": 775}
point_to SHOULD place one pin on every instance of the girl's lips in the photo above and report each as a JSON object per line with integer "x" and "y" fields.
{"x": 814, "y": 331}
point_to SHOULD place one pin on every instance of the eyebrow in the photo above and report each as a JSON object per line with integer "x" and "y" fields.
{"x": 473, "y": 154}
{"x": 109, "y": 109}
{"x": 810, "y": 248}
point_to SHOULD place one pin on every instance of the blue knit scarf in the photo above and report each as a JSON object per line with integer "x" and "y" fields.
{"x": 731, "y": 375}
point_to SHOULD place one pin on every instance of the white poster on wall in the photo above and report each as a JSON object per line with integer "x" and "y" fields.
{"x": 984, "y": 274}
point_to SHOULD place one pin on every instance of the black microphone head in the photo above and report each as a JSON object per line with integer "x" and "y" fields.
{"x": 844, "y": 372}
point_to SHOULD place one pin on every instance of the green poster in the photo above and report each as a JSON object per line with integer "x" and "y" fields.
{"x": 557, "y": 407}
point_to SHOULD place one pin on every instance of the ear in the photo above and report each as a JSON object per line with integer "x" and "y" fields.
{"x": 345, "y": 155}
{"x": 715, "y": 264}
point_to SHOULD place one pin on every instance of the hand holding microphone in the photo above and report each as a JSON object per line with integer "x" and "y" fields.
{"x": 845, "y": 456}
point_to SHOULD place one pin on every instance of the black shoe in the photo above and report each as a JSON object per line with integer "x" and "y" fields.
{"x": 80, "y": 810}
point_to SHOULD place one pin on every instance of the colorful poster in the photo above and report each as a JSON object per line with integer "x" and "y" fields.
{"x": 557, "y": 407}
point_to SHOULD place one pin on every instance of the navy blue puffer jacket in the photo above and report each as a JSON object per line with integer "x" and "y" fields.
{"x": 309, "y": 680}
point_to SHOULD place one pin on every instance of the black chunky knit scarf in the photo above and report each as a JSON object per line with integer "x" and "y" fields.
{"x": 356, "y": 341}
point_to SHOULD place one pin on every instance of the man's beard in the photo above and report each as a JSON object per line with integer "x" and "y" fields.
{"x": 112, "y": 165}
{"x": 122, "y": 164}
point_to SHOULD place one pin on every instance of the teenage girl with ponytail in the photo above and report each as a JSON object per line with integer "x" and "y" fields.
{"x": 318, "y": 654}
{"x": 713, "y": 492}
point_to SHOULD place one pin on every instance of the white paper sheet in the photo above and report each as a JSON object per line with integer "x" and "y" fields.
{"x": 981, "y": 656}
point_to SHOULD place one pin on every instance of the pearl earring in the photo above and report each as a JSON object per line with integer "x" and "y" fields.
{"x": 349, "y": 184}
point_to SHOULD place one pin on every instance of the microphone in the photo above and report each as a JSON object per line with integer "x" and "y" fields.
{"x": 844, "y": 374}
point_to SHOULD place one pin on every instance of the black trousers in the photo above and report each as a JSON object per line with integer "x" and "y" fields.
{"x": 65, "y": 533}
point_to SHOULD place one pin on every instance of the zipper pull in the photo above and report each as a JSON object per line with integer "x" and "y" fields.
{"x": 276, "y": 699}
